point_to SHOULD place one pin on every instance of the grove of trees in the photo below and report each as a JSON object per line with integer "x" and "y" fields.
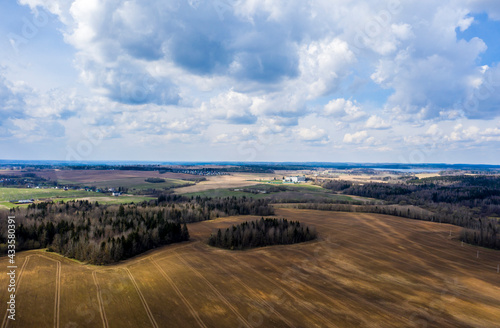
{"x": 260, "y": 233}
{"x": 101, "y": 234}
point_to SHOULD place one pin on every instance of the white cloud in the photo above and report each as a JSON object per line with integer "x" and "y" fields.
{"x": 312, "y": 134}
{"x": 377, "y": 123}
{"x": 324, "y": 64}
{"x": 221, "y": 138}
{"x": 177, "y": 69}
{"x": 357, "y": 137}
{"x": 231, "y": 106}
{"x": 343, "y": 109}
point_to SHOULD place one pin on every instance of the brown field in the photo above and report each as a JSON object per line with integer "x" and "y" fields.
{"x": 234, "y": 180}
{"x": 88, "y": 176}
{"x": 365, "y": 270}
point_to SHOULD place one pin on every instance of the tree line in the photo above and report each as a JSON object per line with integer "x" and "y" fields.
{"x": 101, "y": 234}
{"x": 260, "y": 233}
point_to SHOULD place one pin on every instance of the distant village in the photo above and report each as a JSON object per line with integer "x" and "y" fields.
{"x": 201, "y": 172}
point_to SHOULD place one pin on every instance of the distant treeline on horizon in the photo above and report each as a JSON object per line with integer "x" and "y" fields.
{"x": 236, "y": 166}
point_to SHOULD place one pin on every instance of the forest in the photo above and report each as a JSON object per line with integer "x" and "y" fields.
{"x": 101, "y": 234}
{"x": 260, "y": 233}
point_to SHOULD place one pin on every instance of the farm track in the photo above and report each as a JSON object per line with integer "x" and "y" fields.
{"x": 219, "y": 295}
{"x": 178, "y": 292}
{"x": 367, "y": 305}
{"x": 143, "y": 300}
{"x": 100, "y": 301}
{"x": 249, "y": 289}
{"x": 283, "y": 288}
{"x": 5, "y": 322}
{"x": 57, "y": 301}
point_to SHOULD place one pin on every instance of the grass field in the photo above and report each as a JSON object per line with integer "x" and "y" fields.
{"x": 365, "y": 270}
{"x": 8, "y": 194}
{"x": 296, "y": 192}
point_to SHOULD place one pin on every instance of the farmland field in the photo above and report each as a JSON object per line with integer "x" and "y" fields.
{"x": 8, "y": 194}
{"x": 235, "y": 180}
{"x": 297, "y": 193}
{"x": 135, "y": 183}
{"x": 90, "y": 176}
{"x": 364, "y": 270}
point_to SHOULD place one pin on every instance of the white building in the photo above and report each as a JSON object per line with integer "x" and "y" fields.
{"x": 296, "y": 179}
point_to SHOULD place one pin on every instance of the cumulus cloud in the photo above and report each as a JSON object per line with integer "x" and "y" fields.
{"x": 304, "y": 49}
{"x": 324, "y": 64}
{"x": 232, "y": 107}
{"x": 377, "y": 123}
{"x": 12, "y": 101}
{"x": 343, "y": 109}
{"x": 180, "y": 67}
{"x": 360, "y": 137}
{"x": 313, "y": 135}
{"x": 27, "y": 114}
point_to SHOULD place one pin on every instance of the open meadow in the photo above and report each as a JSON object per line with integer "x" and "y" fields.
{"x": 287, "y": 192}
{"x": 365, "y": 270}
{"x": 8, "y": 194}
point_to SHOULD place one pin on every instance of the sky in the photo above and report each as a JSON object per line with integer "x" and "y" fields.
{"x": 415, "y": 81}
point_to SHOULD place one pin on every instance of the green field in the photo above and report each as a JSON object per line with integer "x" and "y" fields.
{"x": 8, "y": 194}
{"x": 224, "y": 192}
{"x": 299, "y": 192}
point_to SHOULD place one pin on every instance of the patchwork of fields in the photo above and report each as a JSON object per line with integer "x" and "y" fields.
{"x": 8, "y": 194}
{"x": 364, "y": 270}
{"x": 290, "y": 192}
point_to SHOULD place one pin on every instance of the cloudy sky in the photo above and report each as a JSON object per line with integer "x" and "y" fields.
{"x": 411, "y": 81}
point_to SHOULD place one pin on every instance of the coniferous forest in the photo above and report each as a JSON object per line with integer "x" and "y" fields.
{"x": 260, "y": 233}
{"x": 101, "y": 234}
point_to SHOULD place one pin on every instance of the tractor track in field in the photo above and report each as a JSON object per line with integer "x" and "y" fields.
{"x": 18, "y": 283}
{"x": 293, "y": 297}
{"x": 57, "y": 302}
{"x": 248, "y": 288}
{"x": 178, "y": 292}
{"x": 100, "y": 301}
{"x": 212, "y": 287}
{"x": 143, "y": 300}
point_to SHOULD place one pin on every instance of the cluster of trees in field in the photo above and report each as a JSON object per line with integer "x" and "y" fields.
{"x": 155, "y": 180}
{"x": 486, "y": 234}
{"x": 101, "y": 234}
{"x": 472, "y": 202}
{"x": 23, "y": 180}
{"x": 228, "y": 206}
{"x": 263, "y": 232}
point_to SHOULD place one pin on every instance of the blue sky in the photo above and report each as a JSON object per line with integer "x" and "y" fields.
{"x": 251, "y": 80}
